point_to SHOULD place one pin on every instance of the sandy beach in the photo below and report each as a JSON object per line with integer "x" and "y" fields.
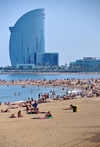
{"x": 65, "y": 129}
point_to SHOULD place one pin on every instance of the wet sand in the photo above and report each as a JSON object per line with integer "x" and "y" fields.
{"x": 65, "y": 129}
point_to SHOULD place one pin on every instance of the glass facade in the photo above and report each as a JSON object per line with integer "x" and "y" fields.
{"x": 47, "y": 59}
{"x": 88, "y": 64}
{"x": 27, "y": 38}
{"x": 27, "y": 41}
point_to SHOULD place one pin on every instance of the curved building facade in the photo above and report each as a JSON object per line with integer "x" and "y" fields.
{"x": 27, "y": 38}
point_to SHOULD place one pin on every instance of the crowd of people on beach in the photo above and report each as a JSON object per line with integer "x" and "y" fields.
{"x": 70, "y": 82}
{"x": 89, "y": 88}
{"x": 31, "y": 107}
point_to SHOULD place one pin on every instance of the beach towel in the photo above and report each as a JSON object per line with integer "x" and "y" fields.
{"x": 15, "y": 117}
{"x": 41, "y": 117}
{"x": 36, "y": 113}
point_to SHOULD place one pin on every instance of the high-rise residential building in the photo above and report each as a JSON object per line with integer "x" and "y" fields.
{"x": 27, "y": 40}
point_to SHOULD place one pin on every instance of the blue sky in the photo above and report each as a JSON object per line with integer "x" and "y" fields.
{"x": 72, "y": 27}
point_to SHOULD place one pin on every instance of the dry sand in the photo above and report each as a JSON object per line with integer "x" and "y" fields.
{"x": 65, "y": 129}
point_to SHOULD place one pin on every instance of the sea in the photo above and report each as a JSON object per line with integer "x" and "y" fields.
{"x": 16, "y": 93}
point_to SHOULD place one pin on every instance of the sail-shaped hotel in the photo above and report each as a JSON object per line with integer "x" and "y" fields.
{"x": 27, "y": 41}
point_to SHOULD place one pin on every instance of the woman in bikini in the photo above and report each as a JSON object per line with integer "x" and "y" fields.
{"x": 19, "y": 114}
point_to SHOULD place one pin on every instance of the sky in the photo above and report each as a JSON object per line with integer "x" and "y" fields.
{"x": 72, "y": 27}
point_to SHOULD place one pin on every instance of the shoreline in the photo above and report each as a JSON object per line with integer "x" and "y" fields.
{"x": 23, "y": 83}
{"x": 73, "y": 83}
{"x": 89, "y": 87}
{"x": 89, "y": 73}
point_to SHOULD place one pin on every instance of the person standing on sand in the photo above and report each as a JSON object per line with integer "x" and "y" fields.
{"x": 35, "y": 105}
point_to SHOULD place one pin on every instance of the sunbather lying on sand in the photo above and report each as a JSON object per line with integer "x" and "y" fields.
{"x": 47, "y": 115}
{"x": 12, "y": 107}
{"x": 12, "y": 116}
{"x": 37, "y": 111}
{"x": 5, "y": 110}
{"x": 70, "y": 108}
